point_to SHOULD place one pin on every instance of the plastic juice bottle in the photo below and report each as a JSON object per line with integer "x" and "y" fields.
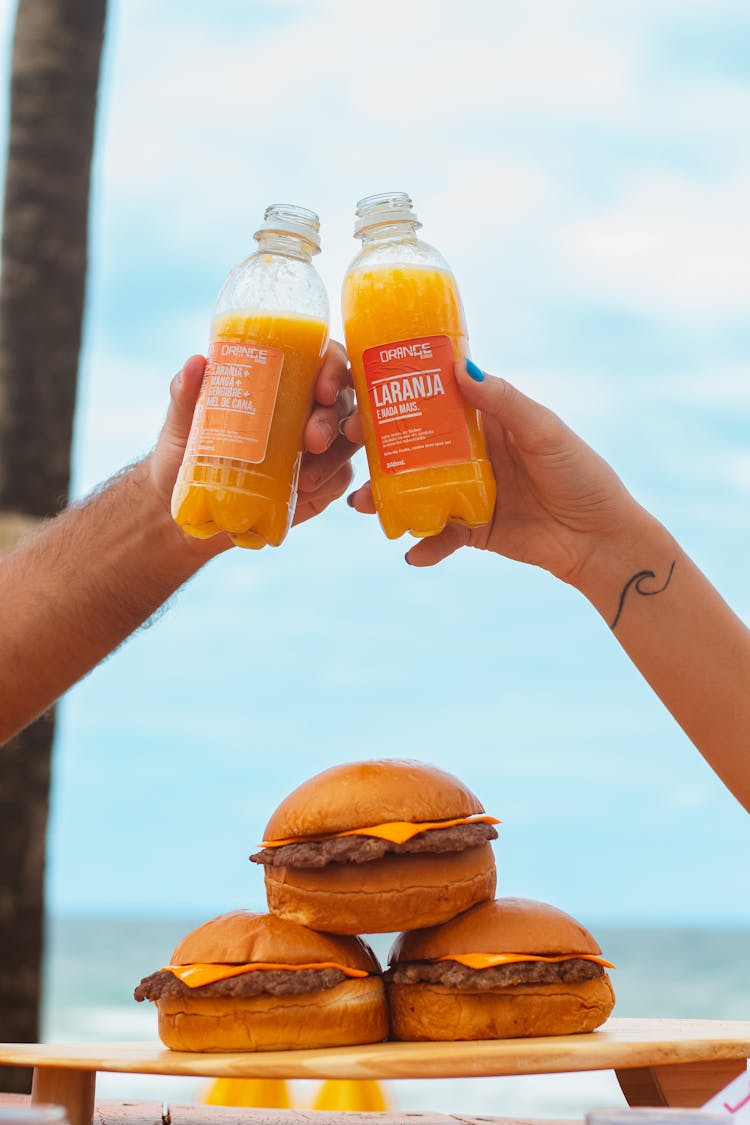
{"x": 405, "y": 329}
{"x": 268, "y": 335}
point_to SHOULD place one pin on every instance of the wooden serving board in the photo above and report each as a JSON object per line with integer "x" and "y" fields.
{"x": 618, "y": 1043}
{"x": 658, "y": 1062}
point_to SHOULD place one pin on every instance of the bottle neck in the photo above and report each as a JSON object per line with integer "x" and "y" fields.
{"x": 400, "y": 231}
{"x": 290, "y": 245}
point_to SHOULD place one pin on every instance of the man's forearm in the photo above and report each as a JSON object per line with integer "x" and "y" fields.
{"x": 77, "y": 587}
{"x": 684, "y": 639}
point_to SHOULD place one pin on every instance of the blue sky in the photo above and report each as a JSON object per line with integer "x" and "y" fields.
{"x": 585, "y": 169}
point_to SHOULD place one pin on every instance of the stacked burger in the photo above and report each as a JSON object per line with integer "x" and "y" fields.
{"x": 254, "y": 982}
{"x": 375, "y": 847}
{"x": 378, "y": 847}
{"x": 509, "y": 968}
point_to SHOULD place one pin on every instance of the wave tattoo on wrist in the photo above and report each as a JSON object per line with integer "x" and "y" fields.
{"x": 636, "y": 583}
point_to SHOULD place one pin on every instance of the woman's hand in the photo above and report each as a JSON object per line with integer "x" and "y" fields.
{"x": 557, "y": 500}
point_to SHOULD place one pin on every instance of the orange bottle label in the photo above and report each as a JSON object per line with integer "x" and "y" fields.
{"x": 238, "y": 394}
{"x": 416, "y": 406}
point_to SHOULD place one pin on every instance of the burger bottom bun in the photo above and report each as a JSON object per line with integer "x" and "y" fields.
{"x": 352, "y": 1012}
{"x": 397, "y": 892}
{"x": 433, "y": 1012}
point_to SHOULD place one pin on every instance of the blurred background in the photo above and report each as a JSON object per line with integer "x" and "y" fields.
{"x": 585, "y": 168}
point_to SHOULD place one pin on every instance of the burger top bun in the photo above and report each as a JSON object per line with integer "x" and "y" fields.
{"x": 243, "y": 937}
{"x": 505, "y": 925}
{"x": 361, "y": 794}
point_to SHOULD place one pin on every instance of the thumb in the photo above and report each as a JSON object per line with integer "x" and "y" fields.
{"x": 170, "y": 446}
{"x": 184, "y": 391}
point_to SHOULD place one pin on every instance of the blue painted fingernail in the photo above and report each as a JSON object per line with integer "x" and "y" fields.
{"x": 476, "y": 372}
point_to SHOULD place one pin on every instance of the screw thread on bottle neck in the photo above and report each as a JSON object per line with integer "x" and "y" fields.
{"x": 387, "y": 215}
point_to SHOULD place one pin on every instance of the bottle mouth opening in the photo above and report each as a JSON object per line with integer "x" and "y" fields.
{"x": 287, "y": 218}
{"x": 386, "y": 207}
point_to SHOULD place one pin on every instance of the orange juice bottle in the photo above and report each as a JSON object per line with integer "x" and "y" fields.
{"x": 268, "y": 335}
{"x": 405, "y": 329}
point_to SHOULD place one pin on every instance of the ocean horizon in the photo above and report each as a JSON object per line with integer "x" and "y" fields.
{"x": 92, "y": 965}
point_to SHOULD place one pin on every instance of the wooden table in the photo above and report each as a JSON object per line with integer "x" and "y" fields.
{"x": 657, "y": 1062}
{"x": 150, "y": 1113}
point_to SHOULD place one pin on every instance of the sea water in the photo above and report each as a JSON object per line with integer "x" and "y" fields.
{"x": 93, "y": 964}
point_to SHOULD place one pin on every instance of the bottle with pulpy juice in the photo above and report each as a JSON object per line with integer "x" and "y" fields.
{"x": 268, "y": 335}
{"x": 405, "y": 329}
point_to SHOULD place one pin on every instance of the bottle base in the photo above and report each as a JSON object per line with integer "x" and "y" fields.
{"x": 250, "y": 541}
{"x": 424, "y": 511}
{"x": 252, "y": 519}
{"x": 247, "y": 539}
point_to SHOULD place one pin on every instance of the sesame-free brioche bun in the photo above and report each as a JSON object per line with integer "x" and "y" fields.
{"x": 204, "y": 1019}
{"x": 457, "y": 1004}
{"x": 359, "y": 794}
{"x": 432, "y": 1012}
{"x": 408, "y": 883}
{"x": 505, "y": 925}
{"x": 244, "y": 937}
{"x": 352, "y": 1012}
{"x": 393, "y": 893}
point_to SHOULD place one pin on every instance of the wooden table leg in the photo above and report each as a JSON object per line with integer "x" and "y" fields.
{"x": 689, "y": 1085}
{"x": 73, "y": 1089}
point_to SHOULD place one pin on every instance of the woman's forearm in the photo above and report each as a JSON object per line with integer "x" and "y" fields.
{"x": 684, "y": 639}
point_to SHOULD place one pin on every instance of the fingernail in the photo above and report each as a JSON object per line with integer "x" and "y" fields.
{"x": 476, "y": 372}
{"x": 350, "y": 499}
{"x": 327, "y": 431}
{"x": 342, "y": 423}
{"x": 407, "y": 560}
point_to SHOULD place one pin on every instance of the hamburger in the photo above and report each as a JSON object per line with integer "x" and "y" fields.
{"x": 377, "y": 846}
{"x": 253, "y": 982}
{"x": 504, "y": 969}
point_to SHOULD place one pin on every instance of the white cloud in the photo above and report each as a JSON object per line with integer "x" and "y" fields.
{"x": 738, "y": 470}
{"x": 671, "y": 246}
{"x": 725, "y": 387}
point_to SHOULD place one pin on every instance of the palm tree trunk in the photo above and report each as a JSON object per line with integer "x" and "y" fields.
{"x": 24, "y": 792}
{"x": 54, "y": 81}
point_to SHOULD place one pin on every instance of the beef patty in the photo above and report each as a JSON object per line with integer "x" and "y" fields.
{"x": 277, "y": 982}
{"x": 451, "y": 974}
{"x": 363, "y": 849}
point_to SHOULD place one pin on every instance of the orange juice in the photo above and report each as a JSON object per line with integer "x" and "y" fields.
{"x": 268, "y": 336}
{"x": 405, "y": 330}
{"x": 218, "y": 488}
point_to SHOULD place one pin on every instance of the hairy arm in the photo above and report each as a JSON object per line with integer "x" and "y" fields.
{"x": 73, "y": 590}
{"x": 78, "y": 586}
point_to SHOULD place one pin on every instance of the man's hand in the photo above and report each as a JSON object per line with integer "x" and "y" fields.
{"x": 326, "y": 472}
{"x": 166, "y": 458}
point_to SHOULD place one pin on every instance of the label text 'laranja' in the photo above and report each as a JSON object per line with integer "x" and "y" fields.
{"x": 425, "y": 385}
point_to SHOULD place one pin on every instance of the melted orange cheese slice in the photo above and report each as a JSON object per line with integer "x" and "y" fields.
{"x": 198, "y": 974}
{"x": 490, "y": 960}
{"x": 397, "y": 831}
